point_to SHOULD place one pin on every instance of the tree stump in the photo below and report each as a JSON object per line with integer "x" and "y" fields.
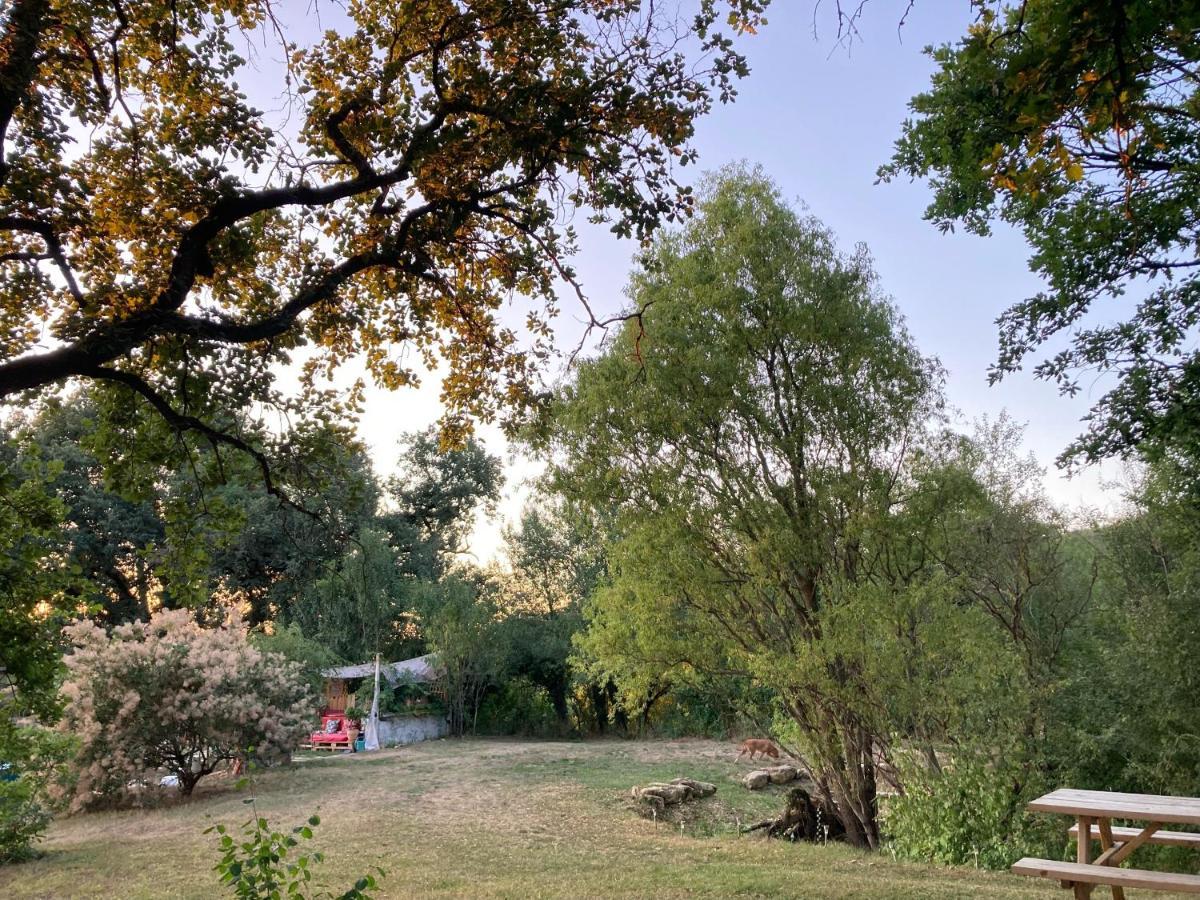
{"x": 803, "y": 819}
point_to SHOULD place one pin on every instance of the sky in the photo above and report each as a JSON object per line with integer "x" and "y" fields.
{"x": 820, "y": 118}
{"x": 819, "y": 115}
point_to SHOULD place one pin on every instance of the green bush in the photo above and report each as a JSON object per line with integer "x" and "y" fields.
{"x": 265, "y": 865}
{"x": 312, "y": 656}
{"x": 404, "y": 697}
{"x": 689, "y": 711}
{"x": 718, "y": 708}
{"x": 23, "y": 819}
{"x": 519, "y": 707}
{"x": 973, "y": 813}
{"x": 32, "y": 757}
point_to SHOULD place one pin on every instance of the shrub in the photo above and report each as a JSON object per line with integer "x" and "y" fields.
{"x": 258, "y": 865}
{"x": 30, "y": 757}
{"x": 289, "y": 642}
{"x": 404, "y": 697}
{"x": 519, "y": 707}
{"x": 171, "y": 694}
{"x": 971, "y": 814}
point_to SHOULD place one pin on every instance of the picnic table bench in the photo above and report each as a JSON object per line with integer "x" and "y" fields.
{"x": 1094, "y": 812}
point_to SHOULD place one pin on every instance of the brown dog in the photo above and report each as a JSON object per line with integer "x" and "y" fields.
{"x": 758, "y": 745}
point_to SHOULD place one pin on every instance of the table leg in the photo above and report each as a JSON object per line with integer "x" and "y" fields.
{"x": 1106, "y": 845}
{"x": 1083, "y": 849}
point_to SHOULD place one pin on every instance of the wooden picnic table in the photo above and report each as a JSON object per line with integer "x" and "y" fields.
{"x": 1093, "y": 812}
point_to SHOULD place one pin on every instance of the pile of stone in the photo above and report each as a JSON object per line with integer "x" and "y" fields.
{"x": 760, "y": 778}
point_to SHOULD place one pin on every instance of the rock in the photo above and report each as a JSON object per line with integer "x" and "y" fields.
{"x": 759, "y": 778}
{"x": 782, "y": 774}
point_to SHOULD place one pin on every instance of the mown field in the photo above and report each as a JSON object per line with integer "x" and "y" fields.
{"x": 490, "y": 818}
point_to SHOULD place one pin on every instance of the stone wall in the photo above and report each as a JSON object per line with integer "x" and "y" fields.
{"x": 396, "y": 730}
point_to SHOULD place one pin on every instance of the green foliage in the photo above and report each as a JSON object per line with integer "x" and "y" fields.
{"x": 32, "y": 760}
{"x": 519, "y": 706}
{"x": 362, "y": 603}
{"x": 744, "y": 432}
{"x": 970, "y": 814}
{"x": 404, "y": 697}
{"x": 36, "y": 583}
{"x": 459, "y": 618}
{"x": 1142, "y": 733}
{"x": 436, "y": 497}
{"x": 713, "y": 707}
{"x": 417, "y": 183}
{"x": 266, "y": 864}
{"x": 358, "y": 607}
{"x": 312, "y": 656}
{"x": 1078, "y": 123}
{"x": 23, "y": 820}
{"x": 555, "y": 565}
{"x": 168, "y": 521}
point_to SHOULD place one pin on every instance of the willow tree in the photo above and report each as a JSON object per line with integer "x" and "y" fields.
{"x": 160, "y": 234}
{"x": 750, "y": 430}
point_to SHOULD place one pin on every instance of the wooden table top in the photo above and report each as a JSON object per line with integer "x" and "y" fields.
{"x": 1109, "y": 804}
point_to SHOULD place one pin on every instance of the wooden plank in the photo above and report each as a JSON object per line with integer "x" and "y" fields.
{"x": 1122, "y": 852}
{"x": 1072, "y": 793}
{"x": 1106, "y": 804}
{"x": 1110, "y": 850}
{"x": 1083, "y": 849}
{"x": 1083, "y": 844}
{"x": 1092, "y": 874}
{"x": 1165, "y": 838}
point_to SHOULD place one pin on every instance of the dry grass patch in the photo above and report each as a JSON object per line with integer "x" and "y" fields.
{"x": 489, "y": 818}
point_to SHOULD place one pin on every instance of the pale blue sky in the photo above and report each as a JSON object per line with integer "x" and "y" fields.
{"x": 820, "y": 119}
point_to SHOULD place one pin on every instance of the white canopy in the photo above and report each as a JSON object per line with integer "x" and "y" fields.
{"x": 419, "y": 668}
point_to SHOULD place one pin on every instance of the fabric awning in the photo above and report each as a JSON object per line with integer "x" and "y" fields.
{"x": 419, "y": 668}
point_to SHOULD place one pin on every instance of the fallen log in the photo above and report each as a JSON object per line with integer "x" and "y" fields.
{"x": 803, "y": 819}
{"x": 662, "y": 794}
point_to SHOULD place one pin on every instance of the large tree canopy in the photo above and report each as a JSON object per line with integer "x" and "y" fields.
{"x": 158, "y": 521}
{"x": 153, "y": 224}
{"x": 748, "y": 437}
{"x": 435, "y": 499}
{"x": 1077, "y": 122}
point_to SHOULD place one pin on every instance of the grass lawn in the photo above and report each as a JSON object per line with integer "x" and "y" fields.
{"x": 490, "y": 818}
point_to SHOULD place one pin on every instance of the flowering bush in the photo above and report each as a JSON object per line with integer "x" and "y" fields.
{"x": 171, "y": 694}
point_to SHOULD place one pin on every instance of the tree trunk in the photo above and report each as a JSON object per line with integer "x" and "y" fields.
{"x": 621, "y": 720}
{"x": 558, "y": 697}
{"x": 599, "y": 697}
{"x": 845, "y": 771}
{"x": 23, "y": 28}
{"x": 805, "y": 818}
{"x": 655, "y": 694}
{"x": 188, "y": 781}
